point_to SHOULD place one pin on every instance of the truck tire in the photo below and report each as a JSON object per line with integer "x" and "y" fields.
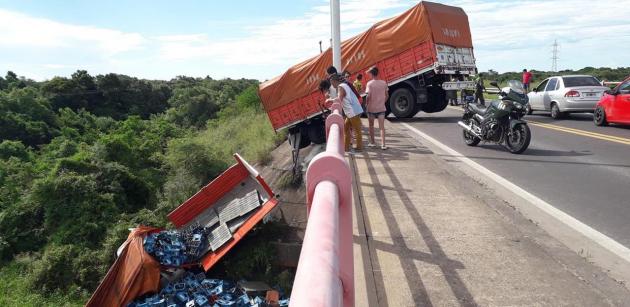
{"x": 402, "y": 103}
{"x": 416, "y": 109}
{"x": 301, "y": 134}
{"x": 317, "y": 133}
{"x": 437, "y": 100}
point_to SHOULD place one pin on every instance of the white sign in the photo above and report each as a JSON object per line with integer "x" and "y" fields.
{"x": 458, "y": 85}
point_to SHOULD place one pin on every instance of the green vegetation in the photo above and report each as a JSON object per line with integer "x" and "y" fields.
{"x": 602, "y": 73}
{"x": 84, "y": 158}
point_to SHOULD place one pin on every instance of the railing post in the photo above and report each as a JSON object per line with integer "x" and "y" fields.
{"x": 325, "y": 274}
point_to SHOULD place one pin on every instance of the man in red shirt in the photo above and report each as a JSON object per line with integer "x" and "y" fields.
{"x": 527, "y": 78}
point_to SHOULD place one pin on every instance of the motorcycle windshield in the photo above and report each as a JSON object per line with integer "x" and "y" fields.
{"x": 516, "y": 86}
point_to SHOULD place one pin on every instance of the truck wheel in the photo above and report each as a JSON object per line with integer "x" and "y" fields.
{"x": 298, "y": 138}
{"x": 402, "y": 103}
{"x": 416, "y": 109}
{"x": 317, "y": 133}
{"x": 436, "y": 100}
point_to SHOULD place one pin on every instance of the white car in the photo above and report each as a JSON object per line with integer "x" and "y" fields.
{"x": 561, "y": 95}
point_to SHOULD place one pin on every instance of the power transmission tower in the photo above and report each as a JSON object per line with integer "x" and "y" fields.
{"x": 554, "y": 57}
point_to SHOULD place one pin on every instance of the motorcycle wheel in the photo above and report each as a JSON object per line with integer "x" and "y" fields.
{"x": 470, "y": 139}
{"x": 518, "y": 139}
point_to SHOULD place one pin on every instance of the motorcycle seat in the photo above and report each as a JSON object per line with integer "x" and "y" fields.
{"x": 477, "y": 108}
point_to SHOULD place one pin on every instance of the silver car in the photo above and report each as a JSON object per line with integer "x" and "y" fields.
{"x": 561, "y": 95}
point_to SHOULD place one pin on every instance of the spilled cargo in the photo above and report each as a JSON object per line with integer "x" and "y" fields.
{"x": 155, "y": 267}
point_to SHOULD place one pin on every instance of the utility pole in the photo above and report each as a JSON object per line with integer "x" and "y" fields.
{"x": 320, "y": 47}
{"x": 335, "y": 34}
{"x": 554, "y": 56}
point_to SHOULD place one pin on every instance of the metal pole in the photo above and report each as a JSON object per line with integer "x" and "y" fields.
{"x": 336, "y": 34}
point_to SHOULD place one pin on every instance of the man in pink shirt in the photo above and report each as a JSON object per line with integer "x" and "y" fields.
{"x": 527, "y": 78}
{"x": 377, "y": 95}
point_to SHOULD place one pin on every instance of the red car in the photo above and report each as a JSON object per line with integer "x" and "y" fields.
{"x": 614, "y": 107}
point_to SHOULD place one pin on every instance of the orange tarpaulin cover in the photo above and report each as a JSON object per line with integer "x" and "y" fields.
{"x": 426, "y": 21}
{"x": 133, "y": 274}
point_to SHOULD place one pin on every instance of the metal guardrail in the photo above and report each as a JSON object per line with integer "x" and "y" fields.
{"x": 325, "y": 273}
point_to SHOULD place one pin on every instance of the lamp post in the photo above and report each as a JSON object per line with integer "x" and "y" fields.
{"x": 335, "y": 32}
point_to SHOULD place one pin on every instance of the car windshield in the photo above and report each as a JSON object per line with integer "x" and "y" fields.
{"x": 580, "y": 81}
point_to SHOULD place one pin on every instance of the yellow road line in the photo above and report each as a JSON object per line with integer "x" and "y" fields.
{"x": 610, "y": 138}
{"x": 600, "y": 136}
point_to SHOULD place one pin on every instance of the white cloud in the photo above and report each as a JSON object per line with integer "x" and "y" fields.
{"x": 22, "y": 31}
{"x": 507, "y": 35}
{"x": 511, "y": 35}
{"x": 285, "y": 41}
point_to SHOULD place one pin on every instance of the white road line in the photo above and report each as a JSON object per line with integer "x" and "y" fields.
{"x": 592, "y": 234}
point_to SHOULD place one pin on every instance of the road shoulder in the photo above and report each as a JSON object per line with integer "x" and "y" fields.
{"x": 434, "y": 236}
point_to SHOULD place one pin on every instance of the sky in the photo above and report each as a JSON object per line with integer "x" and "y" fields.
{"x": 161, "y": 39}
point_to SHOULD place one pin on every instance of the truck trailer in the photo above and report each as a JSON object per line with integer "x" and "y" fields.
{"x": 417, "y": 53}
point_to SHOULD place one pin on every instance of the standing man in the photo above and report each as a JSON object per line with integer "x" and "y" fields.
{"x": 377, "y": 95}
{"x": 527, "y": 78}
{"x": 479, "y": 88}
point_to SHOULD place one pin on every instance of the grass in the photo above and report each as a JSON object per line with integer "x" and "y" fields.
{"x": 288, "y": 181}
{"x": 247, "y": 132}
{"x": 14, "y": 290}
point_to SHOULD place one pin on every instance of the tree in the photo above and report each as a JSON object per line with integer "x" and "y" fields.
{"x": 192, "y": 107}
{"x": 26, "y": 116}
{"x": 3, "y": 84}
{"x": 13, "y": 81}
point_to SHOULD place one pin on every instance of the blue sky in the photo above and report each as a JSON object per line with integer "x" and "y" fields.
{"x": 260, "y": 39}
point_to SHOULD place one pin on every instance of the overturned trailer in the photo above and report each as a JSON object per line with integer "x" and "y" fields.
{"x": 226, "y": 210}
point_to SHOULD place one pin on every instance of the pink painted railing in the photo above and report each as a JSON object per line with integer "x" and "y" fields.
{"x": 325, "y": 273}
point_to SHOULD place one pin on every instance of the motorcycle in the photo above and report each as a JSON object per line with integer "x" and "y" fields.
{"x": 501, "y": 122}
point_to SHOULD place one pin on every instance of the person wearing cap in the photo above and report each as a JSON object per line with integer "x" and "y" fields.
{"x": 377, "y": 95}
{"x": 352, "y": 111}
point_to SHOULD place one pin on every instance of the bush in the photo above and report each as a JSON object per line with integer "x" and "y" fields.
{"x": 21, "y": 228}
{"x": 14, "y": 149}
{"x": 75, "y": 211}
{"x": 55, "y": 270}
{"x": 26, "y": 116}
{"x": 16, "y": 287}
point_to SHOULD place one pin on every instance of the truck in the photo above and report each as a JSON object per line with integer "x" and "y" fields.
{"x": 418, "y": 54}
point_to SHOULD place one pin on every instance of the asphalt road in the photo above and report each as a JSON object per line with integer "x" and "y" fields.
{"x": 573, "y": 165}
